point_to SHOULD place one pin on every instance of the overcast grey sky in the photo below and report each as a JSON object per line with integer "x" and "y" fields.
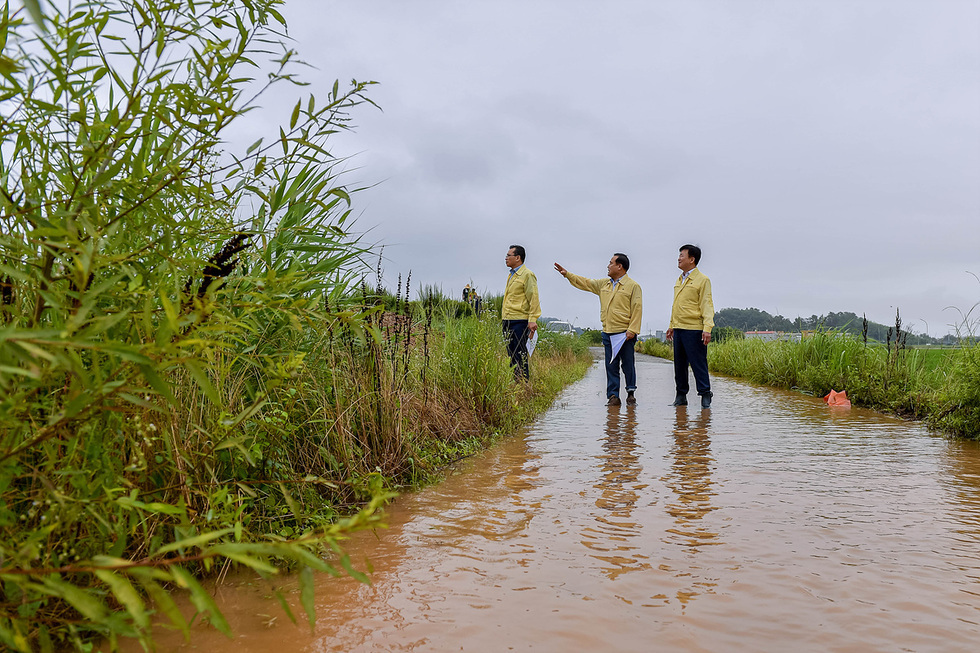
{"x": 825, "y": 155}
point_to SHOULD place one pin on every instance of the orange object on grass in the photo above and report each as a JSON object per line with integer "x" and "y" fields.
{"x": 837, "y": 399}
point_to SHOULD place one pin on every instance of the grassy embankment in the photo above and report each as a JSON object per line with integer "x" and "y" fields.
{"x": 941, "y": 386}
{"x": 434, "y": 385}
{"x": 367, "y": 410}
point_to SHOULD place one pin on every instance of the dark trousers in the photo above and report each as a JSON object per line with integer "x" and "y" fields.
{"x": 517, "y": 334}
{"x": 626, "y": 359}
{"x": 689, "y": 349}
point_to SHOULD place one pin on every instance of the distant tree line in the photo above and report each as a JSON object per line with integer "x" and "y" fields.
{"x": 753, "y": 319}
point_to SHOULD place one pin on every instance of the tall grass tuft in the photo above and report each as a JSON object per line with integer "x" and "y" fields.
{"x": 655, "y": 347}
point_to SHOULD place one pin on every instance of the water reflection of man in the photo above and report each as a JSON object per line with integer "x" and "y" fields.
{"x": 620, "y": 463}
{"x": 619, "y": 490}
{"x": 690, "y": 478}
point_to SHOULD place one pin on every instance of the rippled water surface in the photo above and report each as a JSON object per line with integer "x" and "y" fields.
{"x": 768, "y": 523}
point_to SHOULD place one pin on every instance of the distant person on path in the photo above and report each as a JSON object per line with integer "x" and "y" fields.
{"x": 691, "y": 320}
{"x": 521, "y": 310}
{"x": 621, "y": 311}
{"x": 466, "y": 293}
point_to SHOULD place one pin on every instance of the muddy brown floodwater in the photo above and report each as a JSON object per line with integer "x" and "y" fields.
{"x": 768, "y": 523}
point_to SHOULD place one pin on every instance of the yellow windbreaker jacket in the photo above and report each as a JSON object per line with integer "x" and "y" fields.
{"x": 693, "y": 308}
{"x": 521, "y": 300}
{"x": 620, "y": 306}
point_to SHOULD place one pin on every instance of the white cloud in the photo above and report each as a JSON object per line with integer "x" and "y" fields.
{"x": 826, "y": 156}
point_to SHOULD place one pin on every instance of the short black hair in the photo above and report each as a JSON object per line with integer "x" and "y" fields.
{"x": 623, "y": 260}
{"x": 692, "y": 250}
{"x": 519, "y": 251}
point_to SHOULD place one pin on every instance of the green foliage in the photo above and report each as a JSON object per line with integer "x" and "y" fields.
{"x": 655, "y": 347}
{"x": 157, "y": 298}
{"x": 721, "y": 334}
{"x": 958, "y": 390}
{"x": 752, "y": 319}
{"x": 493, "y": 304}
{"x": 427, "y": 389}
{"x": 592, "y": 337}
{"x": 470, "y": 363}
{"x": 444, "y": 305}
{"x": 942, "y": 386}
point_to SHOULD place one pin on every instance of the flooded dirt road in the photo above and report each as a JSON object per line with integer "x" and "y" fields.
{"x": 768, "y": 523}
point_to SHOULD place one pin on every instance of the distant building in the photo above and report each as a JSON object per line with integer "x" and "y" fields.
{"x": 774, "y": 335}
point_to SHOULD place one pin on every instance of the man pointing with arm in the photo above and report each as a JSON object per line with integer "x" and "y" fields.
{"x": 621, "y": 312}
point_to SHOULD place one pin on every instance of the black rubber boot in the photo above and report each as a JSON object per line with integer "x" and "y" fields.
{"x": 680, "y": 400}
{"x": 706, "y": 400}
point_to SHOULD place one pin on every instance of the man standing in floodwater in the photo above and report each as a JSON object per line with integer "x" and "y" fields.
{"x": 521, "y": 310}
{"x": 621, "y": 311}
{"x": 691, "y": 319}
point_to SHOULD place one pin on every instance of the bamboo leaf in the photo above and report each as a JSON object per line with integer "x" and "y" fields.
{"x": 161, "y": 599}
{"x": 240, "y": 553}
{"x": 285, "y": 606}
{"x": 290, "y": 501}
{"x": 295, "y": 117}
{"x": 168, "y": 308}
{"x": 163, "y": 508}
{"x": 34, "y": 373}
{"x": 157, "y": 383}
{"x": 111, "y": 562}
{"x": 78, "y": 404}
{"x": 84, "y": 601}
{"x": 355, "y": 574}
{"x": 201, "y": 599}
{"x": 201, "y": 378}
{"x": 139, "y": 401}
{"x": 127, "y": 595}
{"x": 8, "y": 67}
{"x": 306, "y": 595}
{"x": 4, "y": 25}
{"x": 34, "y": 7}
{"x": 125, "y": 352}
{"x": 307, "y": 559}
{"x": 340, "y": 192}
{"x": 249, "y": 412}
{"x": 192, "y": 542}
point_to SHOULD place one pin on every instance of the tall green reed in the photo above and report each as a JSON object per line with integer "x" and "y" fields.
{"x": 157, "y": 295}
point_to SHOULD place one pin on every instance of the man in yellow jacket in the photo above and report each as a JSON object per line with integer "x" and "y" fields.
{"x": 521, "y": 310}
{"x": 621, "y": 311}
{"x": 691, "y": 320}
